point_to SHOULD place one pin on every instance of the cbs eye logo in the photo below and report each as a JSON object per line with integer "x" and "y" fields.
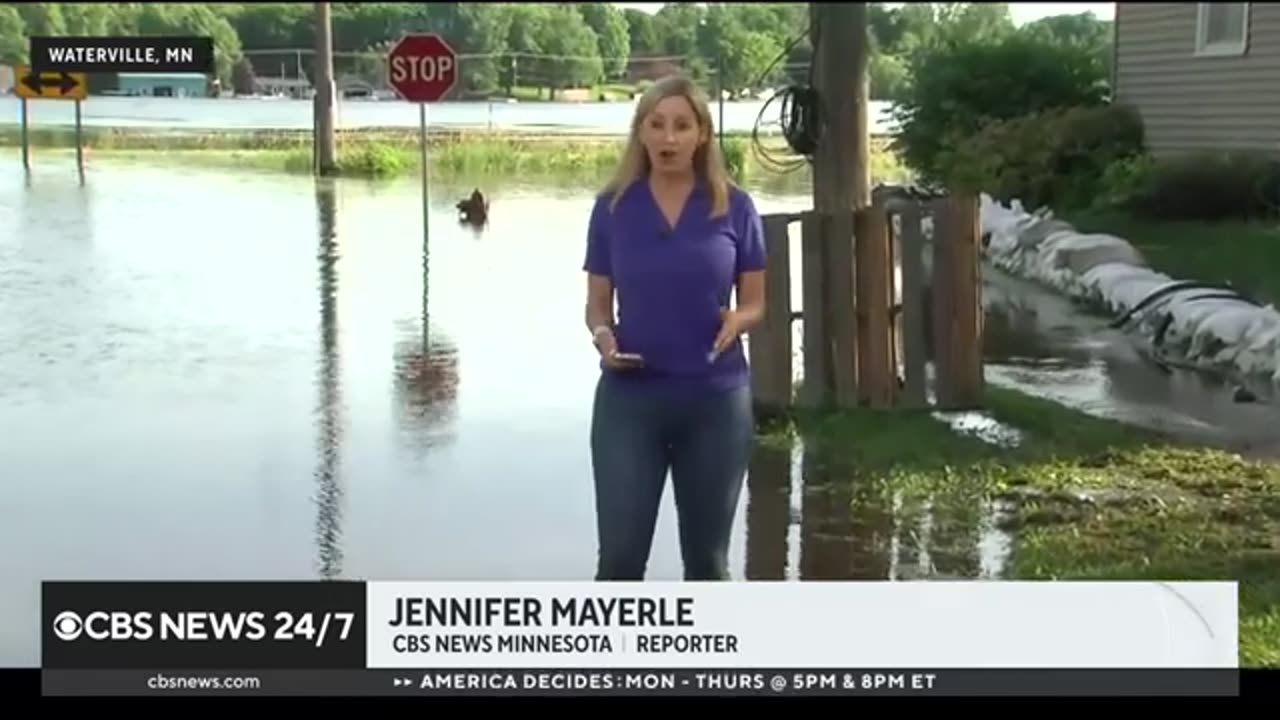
{"x": 68, "y": 625}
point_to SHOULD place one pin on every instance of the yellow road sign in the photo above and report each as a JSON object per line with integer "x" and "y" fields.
{"x": 50, "y": 85}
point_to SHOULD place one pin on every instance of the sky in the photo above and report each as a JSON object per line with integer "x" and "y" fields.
{"x": 1023, "y": 12}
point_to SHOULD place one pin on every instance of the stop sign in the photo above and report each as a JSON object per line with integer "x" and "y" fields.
{"x": 422, "y": 68}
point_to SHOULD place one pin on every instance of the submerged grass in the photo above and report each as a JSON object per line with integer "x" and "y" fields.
{"x": 1080, "y": 498}
{"x": 391, "y": 152}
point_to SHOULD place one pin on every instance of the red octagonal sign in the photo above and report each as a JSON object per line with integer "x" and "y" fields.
{"x": 422, "y": 68}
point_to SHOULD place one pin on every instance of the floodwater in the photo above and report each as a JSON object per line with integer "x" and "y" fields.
{"x": 279, "y": 114}
{"x": 1038, "y": 342}
{"x": 214, "y": 375}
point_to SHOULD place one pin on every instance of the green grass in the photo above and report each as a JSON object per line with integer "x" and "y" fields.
{"x": 391, "y": 152}
{"x": 1245, "y": 254}
{"x": 1087, "y": 498}
{"x": 370, "y": 154}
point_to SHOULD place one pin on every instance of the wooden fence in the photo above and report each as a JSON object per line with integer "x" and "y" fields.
{"x": 861, "y": 346}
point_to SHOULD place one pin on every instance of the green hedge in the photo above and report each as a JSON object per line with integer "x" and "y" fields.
{"x": 1056, "y": 158}
{"x": 1199, "y": 186}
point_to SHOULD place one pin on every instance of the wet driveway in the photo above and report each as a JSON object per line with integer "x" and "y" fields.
{"x": 1037, "y": 341}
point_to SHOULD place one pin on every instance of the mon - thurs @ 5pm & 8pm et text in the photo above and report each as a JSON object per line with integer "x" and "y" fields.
{"x": 685, "y": 681}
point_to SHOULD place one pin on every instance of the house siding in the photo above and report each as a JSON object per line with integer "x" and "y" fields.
{"x": 1191, "y": 103}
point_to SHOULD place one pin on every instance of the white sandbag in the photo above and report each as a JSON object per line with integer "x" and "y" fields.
{"x": 1107, "y": 271}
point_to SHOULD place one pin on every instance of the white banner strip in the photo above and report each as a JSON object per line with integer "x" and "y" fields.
{"x": 803, "y": 625}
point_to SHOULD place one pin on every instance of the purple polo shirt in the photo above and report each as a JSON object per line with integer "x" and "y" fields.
{"x": 671, "y": 283}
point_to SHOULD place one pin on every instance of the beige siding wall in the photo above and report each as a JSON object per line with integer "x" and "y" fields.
{"x": 1191, "y": 103}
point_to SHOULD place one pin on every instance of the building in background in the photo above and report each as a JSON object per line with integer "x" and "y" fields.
{"x": 7, "y": 80}
{"x": 1204, "y": 76}
{"x": 163, "y": 85}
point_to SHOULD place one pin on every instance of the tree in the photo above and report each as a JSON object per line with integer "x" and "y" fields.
{"x": 525, "y": 25}
{"x": 613, "y": 36}
{"x": 643, "y": 33}
{"x": 273, "y": 26}
{"x": 41, "y": 18}
{"x": 1082, "y": 30}
{"x": 677, "y": 25}
{"x": 13, "y": 37}
{"x": 193, "y": 19}
{"x": 889, "y": 78}
{"x": 958, "y": 88}
{"x": 243, "y": 81}
{"x": 472, "y": 29}
{"x": 87, "y": 18}
{"x": 574, "y": 48}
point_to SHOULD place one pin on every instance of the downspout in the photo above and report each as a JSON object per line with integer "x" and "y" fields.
{"x": 1115, "y": 55}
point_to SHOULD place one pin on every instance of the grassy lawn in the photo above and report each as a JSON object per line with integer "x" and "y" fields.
{"x": 391, "y": 152}
{"x": 1247, "y": 255}
{"x": 1084, "y": 498}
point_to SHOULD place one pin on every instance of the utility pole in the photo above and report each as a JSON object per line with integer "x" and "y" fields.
{"x": 841, "y": 165}
{"x": 841, "y": 186}
{"x": 325, "y": 143}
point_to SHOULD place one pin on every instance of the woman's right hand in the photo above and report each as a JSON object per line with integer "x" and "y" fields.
{"x": 607, "y": 345}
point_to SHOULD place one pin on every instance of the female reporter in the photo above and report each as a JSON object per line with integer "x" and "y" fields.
{"x": 671, "y": 238}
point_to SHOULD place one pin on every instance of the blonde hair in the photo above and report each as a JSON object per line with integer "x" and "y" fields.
{"x": 708, "y": 163}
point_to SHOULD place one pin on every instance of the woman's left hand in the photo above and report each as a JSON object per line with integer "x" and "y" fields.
{"x": 732, "y": 324}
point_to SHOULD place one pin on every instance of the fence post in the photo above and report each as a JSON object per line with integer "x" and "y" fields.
{"x": 817, "y": 347}
{"x": 877, "y": 372}
{"x": 914, "y": 345}
{"x": 842, "y": 322}
{"x": 957, "y": 303}
{"x": 769, "y": 344}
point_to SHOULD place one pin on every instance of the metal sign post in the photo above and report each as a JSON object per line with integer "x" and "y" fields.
{"x": 50, "y": 85}
{"x": 422, "y": 143}
{"x": 422, "y": 68}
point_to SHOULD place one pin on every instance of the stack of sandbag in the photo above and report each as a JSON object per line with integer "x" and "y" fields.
{"x": 1188, "y": 323}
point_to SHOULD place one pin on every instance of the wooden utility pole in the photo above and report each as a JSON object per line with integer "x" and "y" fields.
{"x": 322, "y": 71}
{"x": 841, "y": 186}
{"x": 841, "y": 165}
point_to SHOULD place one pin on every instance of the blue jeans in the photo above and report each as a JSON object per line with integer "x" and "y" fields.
{"x": 637, "y": 436}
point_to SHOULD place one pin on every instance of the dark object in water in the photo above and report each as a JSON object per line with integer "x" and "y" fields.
{"x": 1243, "y": 394}
{"x": 474, "y": 210}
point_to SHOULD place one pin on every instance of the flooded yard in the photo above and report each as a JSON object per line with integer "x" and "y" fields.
{"x": 208, "y": 375}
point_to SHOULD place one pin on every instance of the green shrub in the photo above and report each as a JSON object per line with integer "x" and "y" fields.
{"x": 960, "y": 89}
{"x": 1056, "y": 157}
{"x": 735, "y": 157}
{"x": 1123, "y": 181}
{"x": 1207, "y": 186}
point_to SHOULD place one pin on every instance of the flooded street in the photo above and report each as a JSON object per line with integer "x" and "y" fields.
{"x": 207, "y": 375}
{"x": 1039, "y": 343}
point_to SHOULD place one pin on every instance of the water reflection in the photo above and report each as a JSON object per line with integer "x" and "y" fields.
{"x": 852, "y": 526}
{"x": 768, "y": 513}
{"x": 845, "y": 530}
{"x": 328, "y": 496}
{"x": 426, "y": 388}
{"x": 426, "y": 375}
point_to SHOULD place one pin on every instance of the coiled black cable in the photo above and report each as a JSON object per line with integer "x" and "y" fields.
{"x": 799, "y": 116}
